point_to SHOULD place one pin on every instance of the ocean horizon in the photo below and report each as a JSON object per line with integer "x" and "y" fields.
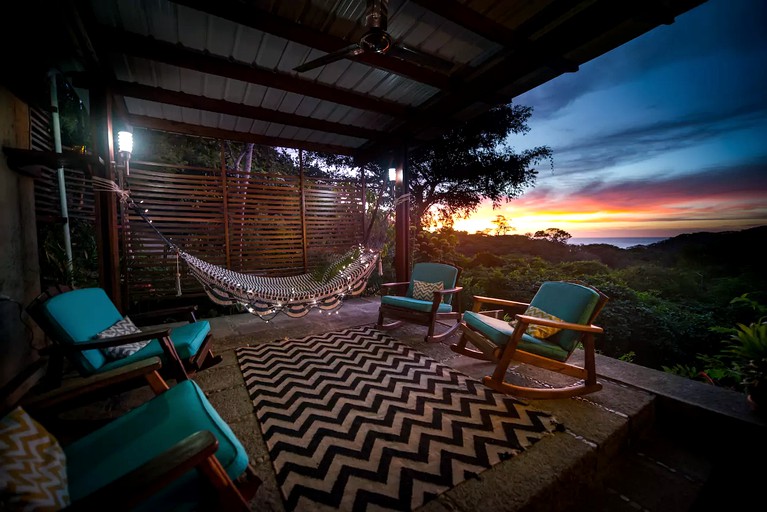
{"x": 622, "y": 242}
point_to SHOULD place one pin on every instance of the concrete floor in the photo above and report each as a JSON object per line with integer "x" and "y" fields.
{"x": 574, "y": 470}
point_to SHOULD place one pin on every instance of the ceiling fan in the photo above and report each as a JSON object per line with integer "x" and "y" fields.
{"x": 377, "y": 41}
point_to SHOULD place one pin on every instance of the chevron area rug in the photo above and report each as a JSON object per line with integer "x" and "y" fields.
{"x": 355, "y": 420}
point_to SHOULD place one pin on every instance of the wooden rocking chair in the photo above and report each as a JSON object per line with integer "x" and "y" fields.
{"x": 430, "y": 297}
{"x": 544, "y": 333}
{"x": 75, "y": 320}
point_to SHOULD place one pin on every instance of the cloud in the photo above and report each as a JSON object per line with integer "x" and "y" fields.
{"x": 742, "y": 186}
{"x": 642, "y": 142}
{"x": 730, "y": 29}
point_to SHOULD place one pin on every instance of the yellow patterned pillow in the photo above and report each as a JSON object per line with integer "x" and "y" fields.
{"x": 34, "y": 474}
{"x": 539, "y": 331}
{"x": 423, "y": 290}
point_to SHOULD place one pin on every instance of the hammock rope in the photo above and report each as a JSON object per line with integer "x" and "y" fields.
{"x": 266, "y": 296}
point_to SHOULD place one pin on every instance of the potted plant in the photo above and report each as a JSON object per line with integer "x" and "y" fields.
{"x": 746, "y": 351}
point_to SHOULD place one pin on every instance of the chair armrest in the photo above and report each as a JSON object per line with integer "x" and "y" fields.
{"x": 526, "y": 319}
{"x": 159, "y": 313}
{"x": 479, "y": 301}
{"x": 399, "y": 286}
{"x": 78, "y": 387}
{"x": 439, "y": 294}
{"x": 114, "y": 342}
{"x": 154, "y": 475}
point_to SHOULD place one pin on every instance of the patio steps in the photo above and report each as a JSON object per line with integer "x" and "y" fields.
{"x": 690, "y": 460}
{"x": 657, "y": 474}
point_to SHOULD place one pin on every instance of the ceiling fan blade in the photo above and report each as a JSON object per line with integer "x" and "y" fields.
{"x": 403, "y": 52}
{"x": 343, "y": 53}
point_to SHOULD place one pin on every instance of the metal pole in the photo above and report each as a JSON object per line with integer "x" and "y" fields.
{"x": 62, "y": 184}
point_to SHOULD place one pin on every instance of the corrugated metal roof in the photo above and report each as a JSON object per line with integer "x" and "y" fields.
{"x": 226, "y": 68}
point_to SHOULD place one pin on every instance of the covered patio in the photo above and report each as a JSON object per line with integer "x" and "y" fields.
{"x": 232, "y": 70}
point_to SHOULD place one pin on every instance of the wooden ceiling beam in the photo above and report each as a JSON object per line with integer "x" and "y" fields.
{"x": 165, "y": 125}
{"x": 470, "y": 19}
{"x": 180, "y": 99}
{"x": 176, "y": 55}
{"x": 265, "y": 21}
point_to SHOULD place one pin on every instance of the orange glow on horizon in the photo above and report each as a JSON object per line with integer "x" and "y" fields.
{"x": 589, "y": 219}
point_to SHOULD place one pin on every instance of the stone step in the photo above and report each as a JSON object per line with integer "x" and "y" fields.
{"x": 655, "y": 474}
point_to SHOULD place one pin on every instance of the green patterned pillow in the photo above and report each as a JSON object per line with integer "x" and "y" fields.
{"x": 34, "y": 472}
{"x": 423, "y": 290}
{"x": 539, "y": 331}
{"x": 121, "y": 328}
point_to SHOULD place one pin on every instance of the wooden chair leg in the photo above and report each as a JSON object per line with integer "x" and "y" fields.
{"x": 430, "y": 333}
{"x": 248, "y": 483}
{"x": 462, "y": 349}
{"x": 54, "y": 371}
{"x": 431, "y": 337}
{"x": 209, "y": 361}
{"x": 229, "y": 495}
{"x": 390, "y": 325}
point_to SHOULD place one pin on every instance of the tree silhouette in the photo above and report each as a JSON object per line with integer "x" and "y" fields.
{"x": 502, "y": 226}
{"x": 553, "y": 235}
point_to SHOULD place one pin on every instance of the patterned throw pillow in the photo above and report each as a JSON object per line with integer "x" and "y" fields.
{"x": 34, "y": 471}
{"x": 121, "y": 328}
{"x": 423, "y": 290}
{"x": 539, "y": 331}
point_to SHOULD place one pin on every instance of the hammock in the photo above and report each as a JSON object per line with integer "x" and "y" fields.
{"x": 293, "y": 295}
{"x": 266, "y": 296}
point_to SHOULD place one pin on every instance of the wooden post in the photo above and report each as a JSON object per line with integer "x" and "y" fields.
{"x": 225, "y": 194}
{"x": 402, "y": 221}
{"x": 106, "y": 202}
{"x": 364, "y": 204}
{"x": 304, "y": 248}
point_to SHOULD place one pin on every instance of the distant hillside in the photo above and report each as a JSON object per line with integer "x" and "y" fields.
{"x": 731, "y": 251}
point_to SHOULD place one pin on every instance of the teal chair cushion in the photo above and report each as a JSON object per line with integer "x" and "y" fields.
{"x": 432, "y": 273}
{"x": 571, "y": 302}
{"x": 414, "y": 304}
{"x": 186, "y": 338}
{"x": 78, "y": 316}
{"x": 499, "y": 332}
{"x": 146, "y": 431}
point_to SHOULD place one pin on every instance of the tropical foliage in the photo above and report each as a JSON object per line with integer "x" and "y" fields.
{"x": 663, "y": 302}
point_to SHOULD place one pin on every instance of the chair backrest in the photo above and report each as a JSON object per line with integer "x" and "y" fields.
{"x": 76, "y": 316}
{"x": 433, "y": 273}
{"x": 571, "y": 302}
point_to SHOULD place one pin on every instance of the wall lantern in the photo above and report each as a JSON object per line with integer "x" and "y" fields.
{"x": 125, "y": 148}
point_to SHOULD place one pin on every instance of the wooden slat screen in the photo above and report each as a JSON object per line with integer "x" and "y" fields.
{"x": 185, "y": 205}
{"x": 265, "y": 224}
{"x": 80, "y": 198}
{"x": 40, "y": 137}
{"x": 261, "y": 215}
{"x": 334, "y": 211}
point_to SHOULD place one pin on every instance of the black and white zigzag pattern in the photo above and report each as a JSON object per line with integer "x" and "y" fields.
{"x": 355, "y": 420}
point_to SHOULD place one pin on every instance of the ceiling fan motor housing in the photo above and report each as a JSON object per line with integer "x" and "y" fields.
{"x": 376, "y": 41}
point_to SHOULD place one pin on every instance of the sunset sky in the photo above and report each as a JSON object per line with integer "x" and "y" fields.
{"x": 665, "y": 135}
